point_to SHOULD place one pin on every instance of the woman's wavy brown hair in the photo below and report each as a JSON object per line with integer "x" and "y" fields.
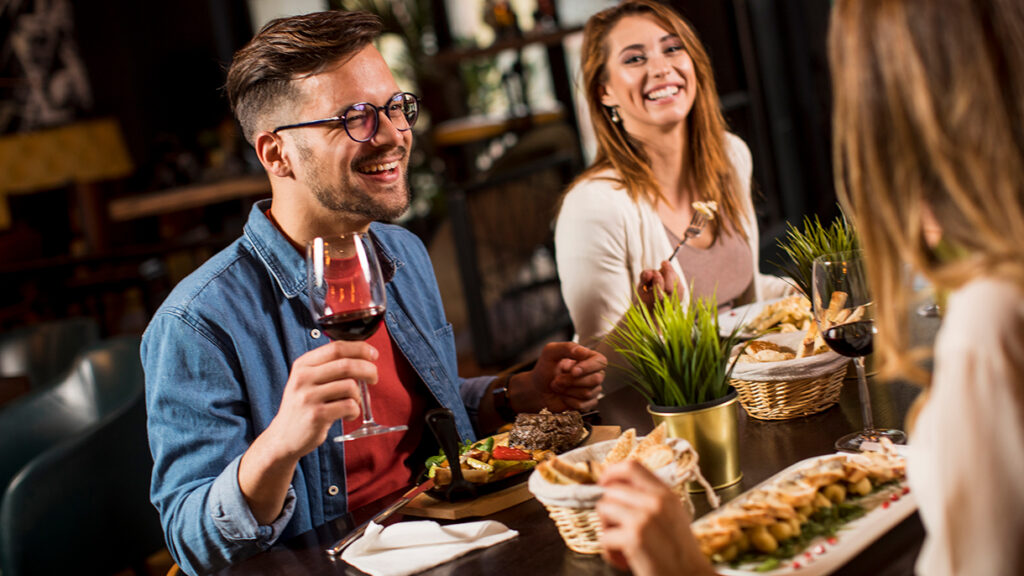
{"x": 259, "y": 82}
{"x": 929, "y": 115}
{"x": 712, "y": 173}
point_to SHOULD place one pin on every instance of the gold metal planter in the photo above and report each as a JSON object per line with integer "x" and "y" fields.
{"x": 713, "y": 430}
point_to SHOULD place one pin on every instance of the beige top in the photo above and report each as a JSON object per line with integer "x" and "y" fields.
{"x": 966, "y": 459}
{"x": 723, "y": 270}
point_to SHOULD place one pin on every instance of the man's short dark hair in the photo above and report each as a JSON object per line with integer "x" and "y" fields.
{"x": 261, "y": 74}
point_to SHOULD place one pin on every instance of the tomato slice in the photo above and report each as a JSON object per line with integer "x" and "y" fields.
{"x": 506, "y": 453}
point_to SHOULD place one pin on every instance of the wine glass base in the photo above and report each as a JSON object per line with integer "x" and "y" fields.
{"x": 369, "y": 429}
{"x": 852, "y": 442}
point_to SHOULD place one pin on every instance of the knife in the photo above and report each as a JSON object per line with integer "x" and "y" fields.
{"x": 380, "y": 516}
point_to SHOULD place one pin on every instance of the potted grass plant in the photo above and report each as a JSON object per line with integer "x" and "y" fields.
{"x": 802, "y": 245}
{"x": 677, "y": 359}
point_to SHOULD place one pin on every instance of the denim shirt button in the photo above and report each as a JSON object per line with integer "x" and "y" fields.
{"x": 315, "y": 333}
{"x": 333, "y": 490}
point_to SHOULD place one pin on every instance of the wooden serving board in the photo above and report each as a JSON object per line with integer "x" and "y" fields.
{"x": 429, "y": 507}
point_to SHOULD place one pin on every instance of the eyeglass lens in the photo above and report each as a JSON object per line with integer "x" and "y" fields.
{"x": 361, "y": 120}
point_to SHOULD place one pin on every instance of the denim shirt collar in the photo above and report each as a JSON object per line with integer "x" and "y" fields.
{"x": 286, "y": 264}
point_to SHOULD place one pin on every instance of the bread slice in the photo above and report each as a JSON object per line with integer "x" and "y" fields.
{"x": 656, "y": 437}
{"x": 622, "y": 448}
{"x": 559, "y": 471}
{"x": 755, "y": 346}
{"x": 548, "y": 472}
{"x": 653, "y": 456}
{"x": 807, "y": 344}
{"x": 835, "y": 305}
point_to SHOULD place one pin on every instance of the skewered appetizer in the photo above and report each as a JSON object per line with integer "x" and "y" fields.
{"x": 778, "y": 519}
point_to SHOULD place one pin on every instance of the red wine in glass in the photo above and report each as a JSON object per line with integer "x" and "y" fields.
{"x": 355, "y": 325}
{"x": 843, "y": 310}
{"x": 348, "y": 300}
{"x": 853, "y": 339}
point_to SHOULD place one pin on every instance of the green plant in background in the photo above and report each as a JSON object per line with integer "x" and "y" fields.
{"x": 674, "y": 353}
{"x": 412, "y": 22}
{"x": 803, "y": 245}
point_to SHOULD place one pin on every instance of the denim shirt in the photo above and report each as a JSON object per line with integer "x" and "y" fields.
{"x": 217, "y": 356}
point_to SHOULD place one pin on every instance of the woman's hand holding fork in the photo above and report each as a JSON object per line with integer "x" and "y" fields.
{"x": 655, "y": 284}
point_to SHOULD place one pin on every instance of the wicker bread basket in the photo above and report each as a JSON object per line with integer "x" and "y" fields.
{"x": 571, "y": 507}
{"x": 789, "y": 388}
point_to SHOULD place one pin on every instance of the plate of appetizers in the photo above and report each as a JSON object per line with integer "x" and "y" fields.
{"x": 810, "y": 518}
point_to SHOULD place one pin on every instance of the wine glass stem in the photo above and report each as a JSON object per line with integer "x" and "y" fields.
{"x": 364, "y": 391}
{"x": 865, "y": 394}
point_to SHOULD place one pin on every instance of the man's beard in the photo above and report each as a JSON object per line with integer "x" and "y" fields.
{"x": 350, "y": 198}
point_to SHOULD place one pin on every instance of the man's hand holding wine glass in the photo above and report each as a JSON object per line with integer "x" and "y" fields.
{"x": 321, "y": 389}
{"x": 324, "y": 387}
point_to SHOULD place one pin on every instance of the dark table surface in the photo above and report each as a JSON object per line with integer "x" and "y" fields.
{"x": 766, "y": 448}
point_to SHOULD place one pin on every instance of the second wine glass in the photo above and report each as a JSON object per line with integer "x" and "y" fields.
{"x": 348, "y": 300}
{"x": 844, "y": 311}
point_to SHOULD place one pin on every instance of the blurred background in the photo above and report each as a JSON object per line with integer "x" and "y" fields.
{"x": 123, "y": 169}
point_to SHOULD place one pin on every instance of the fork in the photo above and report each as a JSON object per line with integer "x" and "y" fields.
{"x": 697, "y": 224}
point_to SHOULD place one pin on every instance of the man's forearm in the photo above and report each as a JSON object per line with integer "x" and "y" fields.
{"x": 264, "y": 479}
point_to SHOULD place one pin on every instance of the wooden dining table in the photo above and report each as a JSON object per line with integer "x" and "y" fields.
{"x": 766, "y": 447}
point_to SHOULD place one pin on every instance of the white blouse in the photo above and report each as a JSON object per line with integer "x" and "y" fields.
{"x": 966, "y": 460}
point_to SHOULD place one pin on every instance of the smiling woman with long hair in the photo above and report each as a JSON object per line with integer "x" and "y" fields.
{"x": 662, "y": 144}
{"x": 929, "y": 157}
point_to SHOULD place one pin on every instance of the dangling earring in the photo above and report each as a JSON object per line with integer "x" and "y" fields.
{"x": 613, "y": 111}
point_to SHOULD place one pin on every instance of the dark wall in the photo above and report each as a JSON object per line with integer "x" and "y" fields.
{"x": 159, "y": 67}
{"x": 772, "y": 74}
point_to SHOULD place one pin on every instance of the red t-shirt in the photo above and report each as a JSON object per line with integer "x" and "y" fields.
{"x": 376, "y": 465}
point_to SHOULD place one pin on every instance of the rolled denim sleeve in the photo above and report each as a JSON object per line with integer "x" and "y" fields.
{"x": 234, "y": 519}
{"x": 199, "y": 428}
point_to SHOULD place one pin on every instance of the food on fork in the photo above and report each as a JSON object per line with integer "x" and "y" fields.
{"x": 708, "y": 208}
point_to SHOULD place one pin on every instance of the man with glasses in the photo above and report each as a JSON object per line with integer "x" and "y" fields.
{"x": 242, "y": 388}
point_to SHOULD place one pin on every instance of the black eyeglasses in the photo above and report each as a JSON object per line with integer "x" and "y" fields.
{"x": 362, "y": 120}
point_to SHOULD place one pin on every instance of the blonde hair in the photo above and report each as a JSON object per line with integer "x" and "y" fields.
{"x": 929, "y": 116}
{"x": 712, "y": 172}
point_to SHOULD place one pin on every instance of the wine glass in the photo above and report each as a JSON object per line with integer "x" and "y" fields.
{"x": 844, "y": 312}
{"x": 931, "y": 307}
{"x": 347, "y": 298}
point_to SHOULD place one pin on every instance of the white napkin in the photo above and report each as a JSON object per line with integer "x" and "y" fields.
{"x": 410, "y": 547}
